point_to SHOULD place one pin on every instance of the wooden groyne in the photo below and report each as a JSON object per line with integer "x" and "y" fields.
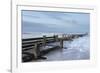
{"x": 36, "y": 43}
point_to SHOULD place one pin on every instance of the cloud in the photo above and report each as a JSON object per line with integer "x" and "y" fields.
{"x": 55, "y": 21}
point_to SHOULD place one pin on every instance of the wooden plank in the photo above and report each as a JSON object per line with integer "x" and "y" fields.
{"x": 27, "y": 39}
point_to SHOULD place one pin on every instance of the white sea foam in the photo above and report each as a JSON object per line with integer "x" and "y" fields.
{"x": 78, "y": 49}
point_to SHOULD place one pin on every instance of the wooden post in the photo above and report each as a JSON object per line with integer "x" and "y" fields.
{"x": 62, "y": 36}
{"x": 44, "y": 40}
{"x": 56, "y": 38}
{"x": 69, "y": 37}
{"x": 61, "y": 43}
{"x": 36, "y": 50}
{"x": 76, "y": 36}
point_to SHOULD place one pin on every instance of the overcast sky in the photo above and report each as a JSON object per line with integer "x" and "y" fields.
{"x": 57, "y": 22}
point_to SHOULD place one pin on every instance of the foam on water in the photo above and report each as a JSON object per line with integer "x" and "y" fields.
{"x": 78, "y": 49}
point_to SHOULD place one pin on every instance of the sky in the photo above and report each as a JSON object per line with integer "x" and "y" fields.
{"x": 54, "y": 22}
